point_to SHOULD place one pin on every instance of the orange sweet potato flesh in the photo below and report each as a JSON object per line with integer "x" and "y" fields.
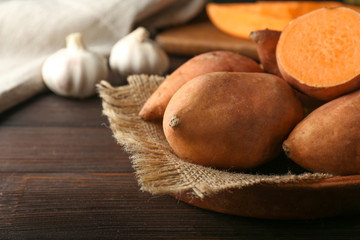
{"x": 319, "y": 52}
{"x": 266, "y": 41}
{"x": 231, "y": 120}
{"x": 328, "y": 139}
{"x": 239, "y": 19}
{"x": 216, "y": 61}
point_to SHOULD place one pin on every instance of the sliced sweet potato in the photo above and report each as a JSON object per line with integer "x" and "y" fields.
{"x": 319, "y": 52}
{"x": 239, "y": 19}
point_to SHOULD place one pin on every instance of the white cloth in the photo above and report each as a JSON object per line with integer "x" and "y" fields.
{"x": 31, "y": 30}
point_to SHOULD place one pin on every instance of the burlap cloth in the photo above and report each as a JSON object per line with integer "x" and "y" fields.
{"x": 158, "y": 169}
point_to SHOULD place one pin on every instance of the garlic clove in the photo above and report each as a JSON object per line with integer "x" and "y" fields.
{"x": 74, "y": 71}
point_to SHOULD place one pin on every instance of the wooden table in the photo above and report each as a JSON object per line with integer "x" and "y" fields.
{"x": 63, "y": 176}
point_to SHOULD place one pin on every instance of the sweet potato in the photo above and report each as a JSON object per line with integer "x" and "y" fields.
{"x": 319, "y": 52}
{"x": 217, "y": 61}
{"x": 239, "y": 19}
{"x": 266, "y": 41}
{"x": 231, "y": 120}
{"x": 328, "y": 139}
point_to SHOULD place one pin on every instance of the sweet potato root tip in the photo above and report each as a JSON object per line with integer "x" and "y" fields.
{"x": 324, "y": 63}
{"x": 286, "y": 149}
{"x": 266, "y": 42}
{"x": 174, "y": 121}
{"x": 255, "y": 37}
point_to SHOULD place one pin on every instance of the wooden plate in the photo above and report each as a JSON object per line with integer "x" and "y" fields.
{"x": 308, "y": 199}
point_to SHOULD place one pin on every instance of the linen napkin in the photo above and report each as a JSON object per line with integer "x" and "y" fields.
{"x": 31, "y": 30}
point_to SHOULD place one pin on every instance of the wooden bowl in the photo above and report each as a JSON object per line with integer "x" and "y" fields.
{"x": 303, "y": 200}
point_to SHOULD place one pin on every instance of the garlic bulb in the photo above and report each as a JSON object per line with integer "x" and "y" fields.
{"x": 137, "y": 54}
{"x": 74, "y": 71}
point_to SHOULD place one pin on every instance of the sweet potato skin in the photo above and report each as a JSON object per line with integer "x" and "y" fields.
{"x": 231, "y": 120}
{"x": 266, "y": 41}
{"x": 328, "y": 139}
{"x": 216, "y": 61}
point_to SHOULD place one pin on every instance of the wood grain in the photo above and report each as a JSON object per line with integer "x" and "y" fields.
{"x": 55, "y": 134}
{"x": 110, "y": 206}
{"x": 60, "y": 149}
{"x": 48, "y": 109}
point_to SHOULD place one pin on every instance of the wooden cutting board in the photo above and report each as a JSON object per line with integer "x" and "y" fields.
{"x": 202, "y": 36}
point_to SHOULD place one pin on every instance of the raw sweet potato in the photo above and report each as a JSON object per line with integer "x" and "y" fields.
{"x": 266, "y": 41}
{"x": 231, "y": 120}
{"x": 328, "y": 139}
{"x": 319, "y": 52}
{"x": 217, "y": 61}
{"x": 239, "y": 19}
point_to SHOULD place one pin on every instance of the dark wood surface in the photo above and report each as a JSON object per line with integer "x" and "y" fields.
{"x": 63, "y": 176}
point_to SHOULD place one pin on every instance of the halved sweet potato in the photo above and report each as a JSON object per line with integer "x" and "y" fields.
{"x": 239, "y": 19}
{"x": 319, "y": 52}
